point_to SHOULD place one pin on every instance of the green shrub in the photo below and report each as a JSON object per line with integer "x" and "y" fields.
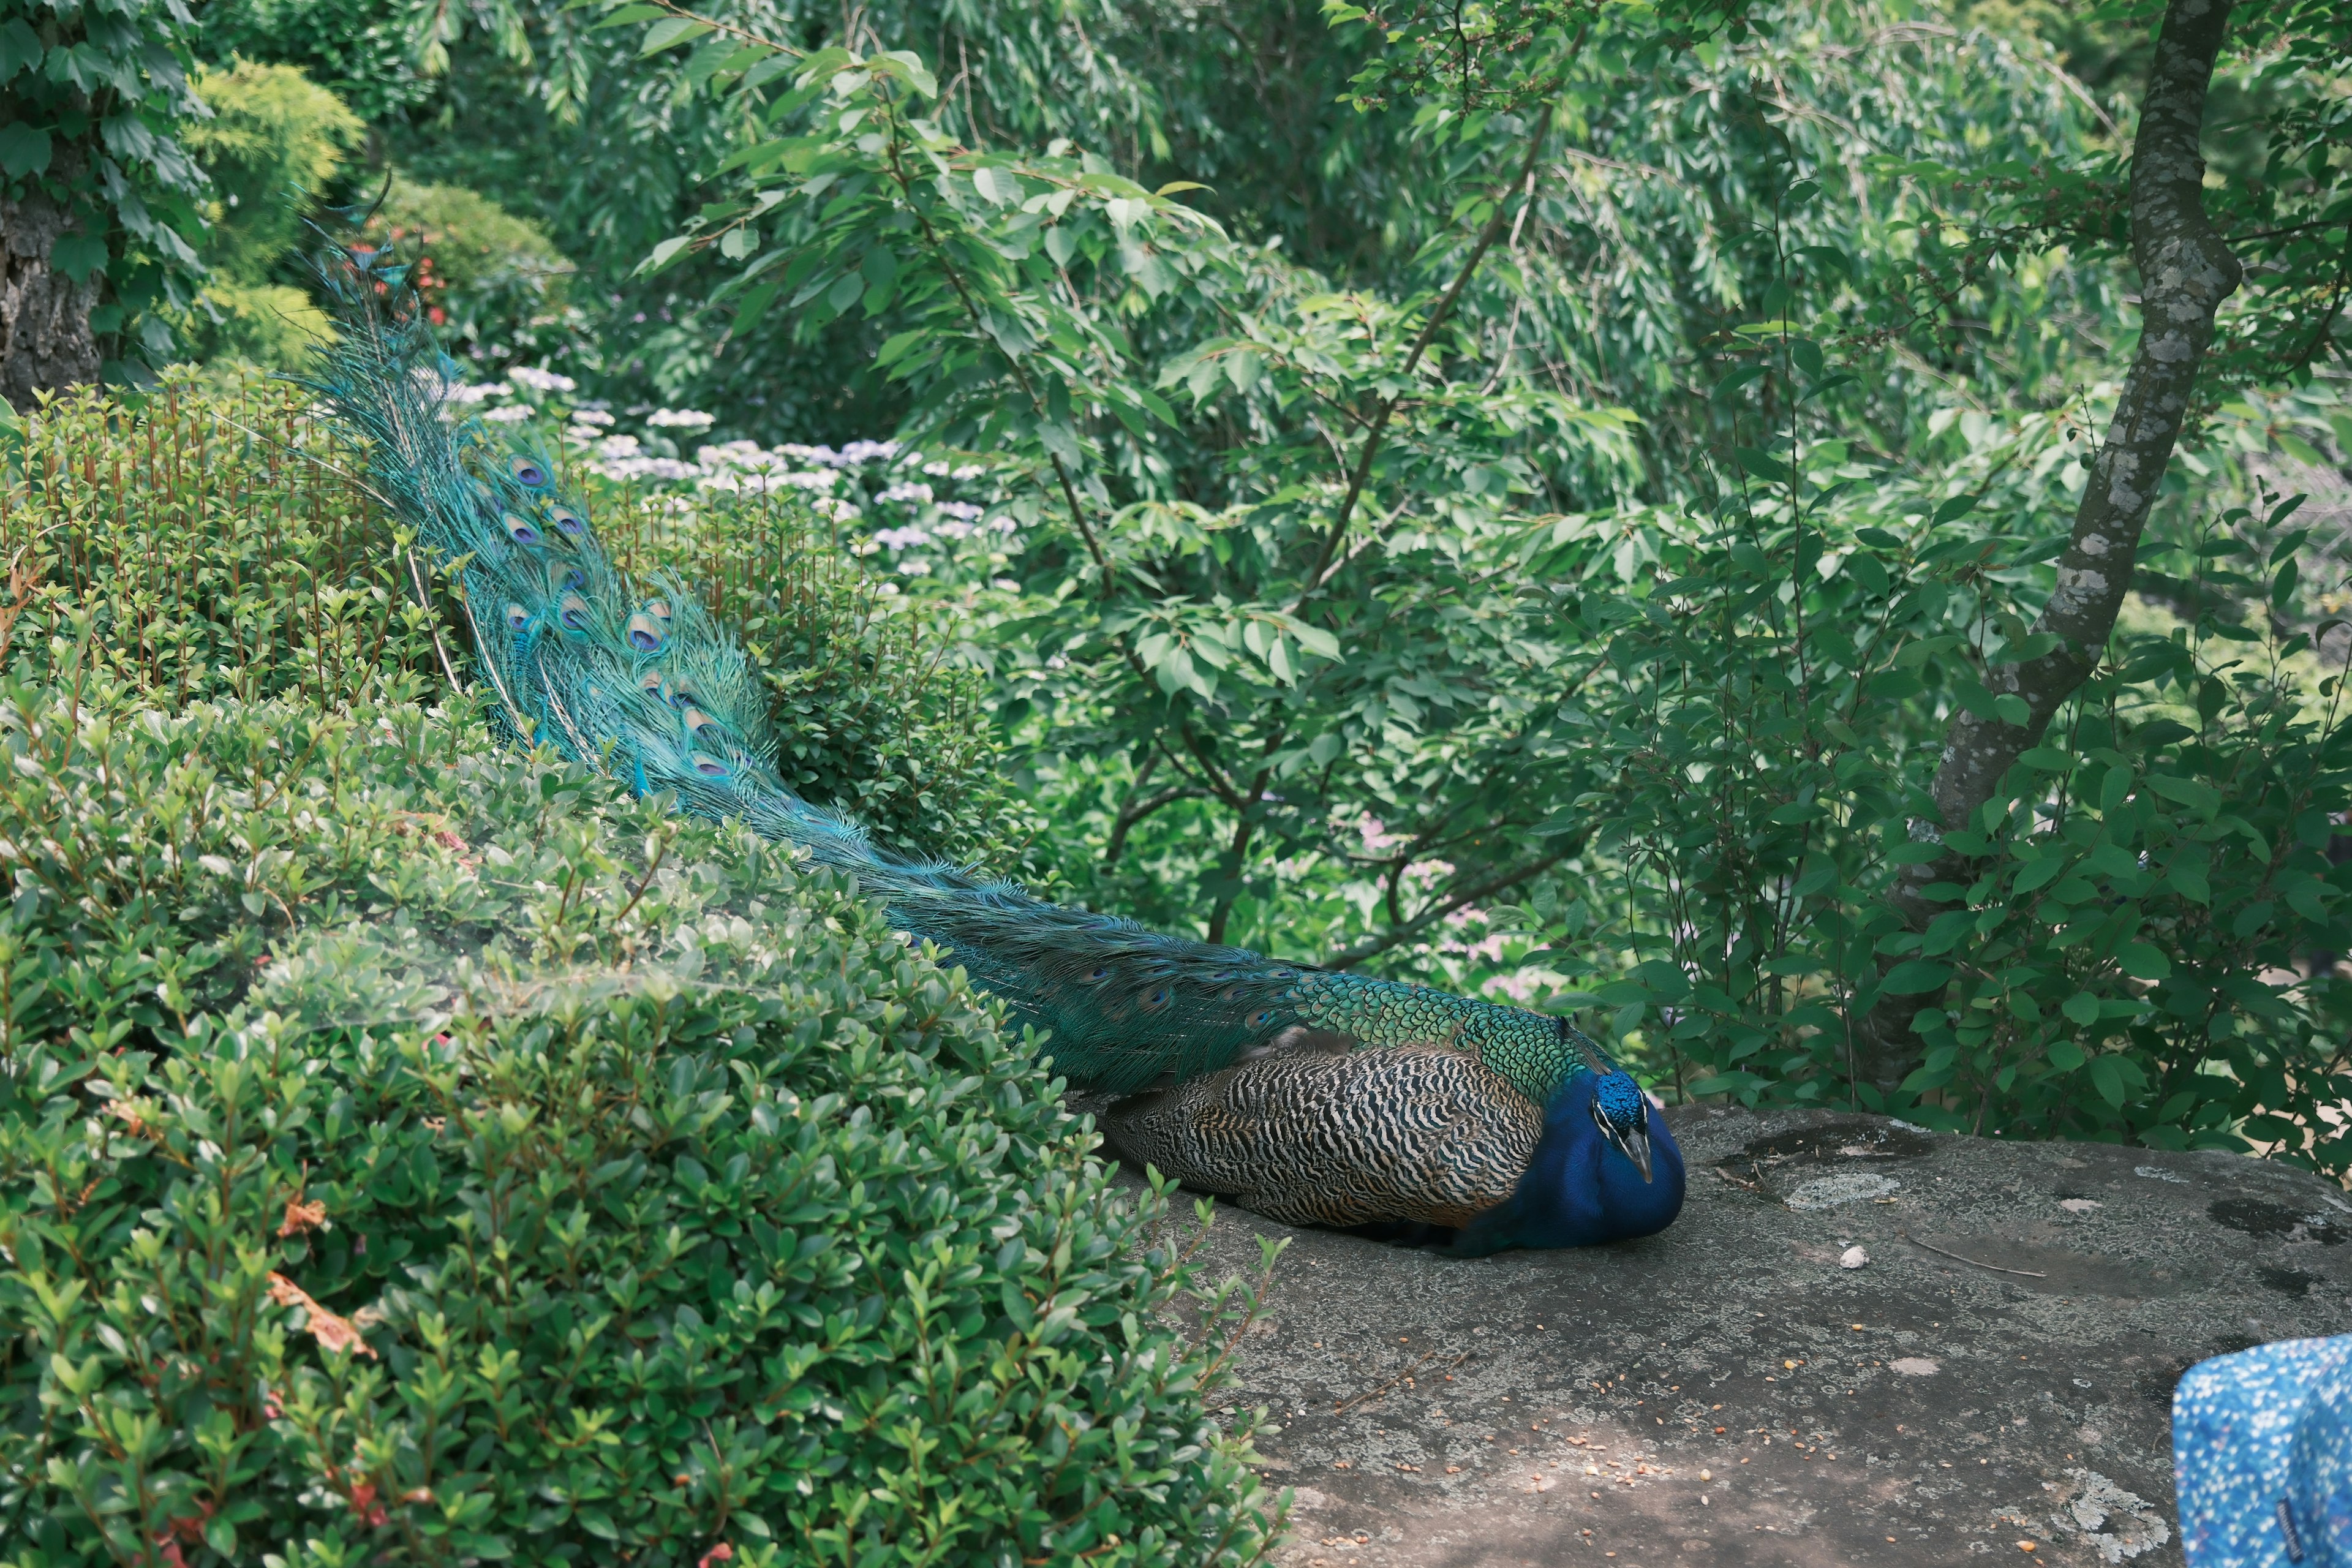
{"x": 412, "y": 1150}
{"x": 266, "y": 324}
{"x": 216, "y": 540}
{"x": 274, "y": 141}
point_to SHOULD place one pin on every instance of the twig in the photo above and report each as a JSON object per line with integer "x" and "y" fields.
{"x": 1375, "y": 1393}
{"x": 2028, "y": 1273}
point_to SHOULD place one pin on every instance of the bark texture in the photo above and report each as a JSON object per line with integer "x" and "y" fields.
{"x": 46, "y": 345}
{"x": 2185, "y": 273}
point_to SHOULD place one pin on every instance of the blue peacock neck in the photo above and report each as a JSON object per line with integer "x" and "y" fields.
{"x": 1581, "y": 1187}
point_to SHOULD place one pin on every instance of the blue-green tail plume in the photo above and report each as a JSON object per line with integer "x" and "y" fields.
{"x": 634, "y": 679}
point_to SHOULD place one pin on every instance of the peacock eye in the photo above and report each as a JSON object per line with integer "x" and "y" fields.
{"x": 520, "y": 529}
{"x": 575, "y": 579}
{"x": 518, "y": 619}
{"x": 568, "y": 522}
{"x": 658, "y": 609}
{"x": 708, "y": 765}
{"x": 528, "y": 472}
{"x": 650, "y": 683}
{"x": 644, "y": 633}
{"x": 574, "y": 614}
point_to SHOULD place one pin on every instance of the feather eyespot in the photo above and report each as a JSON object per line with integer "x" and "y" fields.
{"x": 650, "y": 683}
{"x": 1098, "y": 976}
{"x": 1285, "y": 974}
{"x": 644, "y": 633}
{"x": 708, "y": 765}
{"x": 575, "y": 612}
{"x": 528, "y": 472}
{"x": 681, "y": 697}
{"x": 520, "y": 529}
{"x": 1259, "y": 1019}
{"x": 568, "y": 522}
{"x": 1158, "y": 996}
{"x": 518, "y": 619}
{"x": 575, "y": 579}
{"x": 658, "y": 609}
{"x": 697, "y": 720}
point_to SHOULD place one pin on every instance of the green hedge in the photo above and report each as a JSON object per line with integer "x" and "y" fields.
{"x": 413, "y": 1152}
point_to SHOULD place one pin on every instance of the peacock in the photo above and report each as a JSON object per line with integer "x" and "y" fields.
{"x": 1307, "y": 1095}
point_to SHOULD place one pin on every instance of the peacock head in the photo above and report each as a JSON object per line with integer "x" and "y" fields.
{"x": 1622, "y": 1112}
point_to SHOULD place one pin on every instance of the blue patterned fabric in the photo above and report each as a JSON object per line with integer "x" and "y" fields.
{"x": 2261, "y": 1456}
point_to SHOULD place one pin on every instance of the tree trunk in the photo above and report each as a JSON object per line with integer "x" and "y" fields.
{"x": 46, "y": 345}
{"x": 2185, "y": 273}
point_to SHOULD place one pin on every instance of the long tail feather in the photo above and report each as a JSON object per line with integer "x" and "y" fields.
{"x": 637, "y": 680}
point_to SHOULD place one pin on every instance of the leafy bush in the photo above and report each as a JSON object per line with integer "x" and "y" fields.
{"x": 273, "y": 143}
{"x": 412, "y": 1148}
{"x": 213, "y": 540}
{"x": 273, "y": 140}
{"x": 486, "y": 277}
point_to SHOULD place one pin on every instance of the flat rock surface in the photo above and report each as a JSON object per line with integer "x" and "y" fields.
{"x": 1999, "y": 1371}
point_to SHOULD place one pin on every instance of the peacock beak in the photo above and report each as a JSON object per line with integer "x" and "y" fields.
{"x": 1636, "y": 1146}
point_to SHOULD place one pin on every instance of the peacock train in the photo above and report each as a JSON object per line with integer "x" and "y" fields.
{"x": 1306, "y": 1095}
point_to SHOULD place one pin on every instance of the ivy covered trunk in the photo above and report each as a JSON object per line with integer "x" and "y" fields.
{"x": 45, "y": 343}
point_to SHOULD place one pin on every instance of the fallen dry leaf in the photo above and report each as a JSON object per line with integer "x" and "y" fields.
{"x": 332, "y": 1332}
{"x": 302, "y": 1217}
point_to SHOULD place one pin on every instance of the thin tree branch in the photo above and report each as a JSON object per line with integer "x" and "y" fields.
{"x": 1377, "y": 426}
{"x": 1395, "y": 936}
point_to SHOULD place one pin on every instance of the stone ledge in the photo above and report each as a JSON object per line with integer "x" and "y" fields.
{"x": 2001, "y": 1369}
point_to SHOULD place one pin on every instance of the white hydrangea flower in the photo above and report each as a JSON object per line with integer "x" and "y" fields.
{"x": 541, "y": 381}
{"x": 681, "y": 419}
{"x": 508, "y": 414}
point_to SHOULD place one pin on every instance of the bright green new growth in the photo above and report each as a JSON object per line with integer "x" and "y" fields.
{"x": 639, "y": 682}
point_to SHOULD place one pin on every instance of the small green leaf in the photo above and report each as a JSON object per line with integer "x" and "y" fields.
{"x": 23, "y": 149}
{"x": 670, "y": 32}
{"x": 1916, "y": 977}
{"x": 2108, "y": 1079}
{"x": 2083, "y": 1008}
{"x": 2142, "y": 961}
{"x": 78, "y": 255}
{"x": 665, "y": 253}
{"x": 1956, "y": 507}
